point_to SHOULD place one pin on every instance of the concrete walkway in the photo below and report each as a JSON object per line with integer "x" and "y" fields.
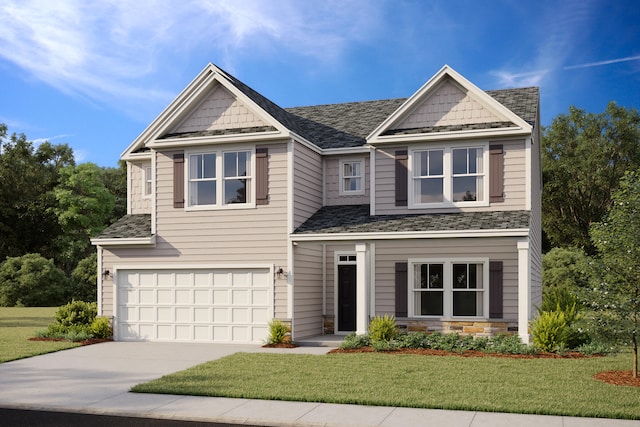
{"x": 96, "y": 379}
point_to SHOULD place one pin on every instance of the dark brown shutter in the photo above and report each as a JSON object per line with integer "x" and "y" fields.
{"x": 262, "y": 176}
{"x": 401, "y": 177}
{"x": 401, "y": 289}
{"x": 178, "y": 180}
{"x": 495, "y": 290}
{"x": 496, "y": 174}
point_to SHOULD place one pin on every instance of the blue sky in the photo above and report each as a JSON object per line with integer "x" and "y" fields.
{"x": 94, "y": 74}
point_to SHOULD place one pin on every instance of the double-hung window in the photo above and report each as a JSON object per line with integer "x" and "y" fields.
{"x": 449, "y": 288}
{"x": 351, "y": 177}
{"x": 148, "y": 181}
{"x": 220, "y": 178}
{"x": 448, "y": 176}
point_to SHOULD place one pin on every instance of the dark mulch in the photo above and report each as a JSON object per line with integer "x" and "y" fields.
{"x": 83, "y": 342}
{"x": 281, "y": 345}
{"x": 618, "y": 378}
{"x": 466, "y": 353}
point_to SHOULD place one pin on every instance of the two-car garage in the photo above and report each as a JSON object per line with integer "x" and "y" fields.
{"x": 225, "y": 305}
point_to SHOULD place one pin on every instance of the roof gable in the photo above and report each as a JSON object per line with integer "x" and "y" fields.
{"x": 448, "y": 105}
{"x": 212, "y": 108}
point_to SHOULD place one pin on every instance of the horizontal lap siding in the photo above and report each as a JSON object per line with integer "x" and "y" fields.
{"x": 307, "y": 291}
{"x": 139, "y": 203}
{"x": 235, "y": 236}
{"x": 498, "y": 249}
{"x": 307, "y": 184}
{"x": 332, "y": 182}
{"x": 514, "y": 181}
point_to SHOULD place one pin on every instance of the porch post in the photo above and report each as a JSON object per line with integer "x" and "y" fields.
{"x": 524, "y": 290}
{"x": 362, "y": 306}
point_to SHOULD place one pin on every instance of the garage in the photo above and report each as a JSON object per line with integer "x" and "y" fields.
{"x": 195, "y": 305}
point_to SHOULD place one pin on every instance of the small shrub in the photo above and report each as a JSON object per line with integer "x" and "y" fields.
{"x": 383, "y": 328}
{"x": 76, "y": 313}
{"x": 355, "y": 341}
{"x": 550, "y": 330}
{"x": 383, "y": 345}
{"x": 509, "y": 344}
{"x": 101, "y": 328}
{"x": 74, "y": 336}
{"x": 278, "y": 332}
{"x": 594, "y": 348}
{"x": 412, "y": 340}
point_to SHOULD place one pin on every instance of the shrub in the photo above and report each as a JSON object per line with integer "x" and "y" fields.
{"x": 412, "y": 340}
{"x": 383, "y": 345}
{"x": 101, "y": 328}
{"x": 383, "y": 328}
{"x": 509, "y": 344}
{"x": 76, "y": 313}
{"x": 594, "y": 347}
{"x": 31, "y": 281}
{"x": 278, "y": 332}
{"x": 84, "y": 279}
{"x": 355, "y": 341}
{"x": 550, "y": 330}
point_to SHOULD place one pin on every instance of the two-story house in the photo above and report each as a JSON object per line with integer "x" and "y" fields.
{"x": 240, "y": 211}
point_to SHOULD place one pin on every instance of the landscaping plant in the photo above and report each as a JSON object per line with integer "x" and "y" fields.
{"x": 278, "y": 332}
{"x": 383, "y": 328}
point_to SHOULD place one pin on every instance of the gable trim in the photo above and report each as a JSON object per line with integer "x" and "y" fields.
{"x": 520, "y": 125}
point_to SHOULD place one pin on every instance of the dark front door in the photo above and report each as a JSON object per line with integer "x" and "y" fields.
{"x": 346, "y": 297}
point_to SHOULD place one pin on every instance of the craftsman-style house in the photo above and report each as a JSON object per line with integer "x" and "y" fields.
{"x": 240, "y": 211}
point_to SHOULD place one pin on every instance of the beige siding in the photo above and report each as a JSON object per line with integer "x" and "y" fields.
{"x": 535, "y": 234}
{"x": 496, "y": 249}
{"x": 140, "y": 204}
{"x": 307, "y": 183}
{"x": 332, "y": 181}
{"x": 449, "y": 104}
{"x": 215, "y": 237}
{"x": 219, "y": 110}
{"x": 514, "y": 181}
{"x": 307, "y": 291}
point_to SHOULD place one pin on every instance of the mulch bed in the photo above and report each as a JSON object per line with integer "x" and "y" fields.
{"x": 83, "y": 342}
{"x": 280, "y": 345}
{"x": 618, "y": 378}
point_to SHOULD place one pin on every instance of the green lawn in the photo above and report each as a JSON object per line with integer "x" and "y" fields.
{"x": 18, "y": 324}
{"x": 535, "y": 386}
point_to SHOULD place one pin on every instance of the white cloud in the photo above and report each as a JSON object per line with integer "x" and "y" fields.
{"x": 111, "y": 51}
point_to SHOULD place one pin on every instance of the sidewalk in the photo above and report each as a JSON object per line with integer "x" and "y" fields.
{"x": 96, "y": 379}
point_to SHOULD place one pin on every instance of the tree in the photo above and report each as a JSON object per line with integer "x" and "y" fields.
{"x": 617, "y": 238}
{"x": 31, "y": 281}
{"x": 84, "y": 206}
{"x": 27, "y": 177}
{"x": 84, "y": 279}
{"x": 584, "y": 156}
{"x": 115, "y": 180}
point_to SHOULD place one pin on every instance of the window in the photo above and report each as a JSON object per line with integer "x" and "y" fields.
{"x": 448, "y": 176}
{"x": 219, "y": 178}
{"x": 351, "y": 177}
{"x": 148, "y": 181}
{"x": 449, "y": 288}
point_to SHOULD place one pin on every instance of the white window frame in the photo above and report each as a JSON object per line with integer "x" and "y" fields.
{"x": 344, "y": 191}
{"x": 448, "y": 290}
{"x": 147, "y": 180}
{"x": 448, "y": 176}
{"x": 220, "y": 178}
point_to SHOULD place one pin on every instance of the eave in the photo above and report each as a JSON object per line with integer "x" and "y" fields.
{"x": 131, "y": 241}
{"x": 402, "y": 235}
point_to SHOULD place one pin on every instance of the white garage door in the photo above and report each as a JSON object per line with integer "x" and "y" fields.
{"x": 227, "y": 306}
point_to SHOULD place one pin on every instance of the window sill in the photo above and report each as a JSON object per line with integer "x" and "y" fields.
{"x": 233, "y": 207}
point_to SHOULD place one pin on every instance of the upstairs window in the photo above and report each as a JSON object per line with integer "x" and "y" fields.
{"x": 351, "y": 177}
{"x": 220, "y": 178}
{"x": 448, "y": 176}
{"x": 148, "y": 181}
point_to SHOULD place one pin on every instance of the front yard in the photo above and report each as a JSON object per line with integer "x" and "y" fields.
{"x": 535, "y": 386}
{"x": 18, "y": 324}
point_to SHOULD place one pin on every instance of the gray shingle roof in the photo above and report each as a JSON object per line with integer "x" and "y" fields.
{"x": 356, "y": 219}
{"x": 128, "y": 227}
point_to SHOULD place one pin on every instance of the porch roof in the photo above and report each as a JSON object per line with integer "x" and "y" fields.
{"x": 357, "y": 219}
{"x": 128, "y": 227}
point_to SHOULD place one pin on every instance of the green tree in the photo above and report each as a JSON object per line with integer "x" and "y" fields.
{"x": 31, "y": 281}
{"x": 565, "y": 273}
{"x": 27, "y": 177}
{"x": 84, "y": 207}
{"x": 115, "y": 180}
{"x": 84, "y": 279}
{"x": 617, "y": 238}
{"x": 584, "y": 156}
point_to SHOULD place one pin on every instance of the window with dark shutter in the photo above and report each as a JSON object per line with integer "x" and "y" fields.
{"x": 496, "y": 174}
{"x": 401, "y": 177}
{"x": 401, "y": 289}
{"x": 262, "y": 176}
{"x": 178, "y": 180}
{"x": 495, "y": 290}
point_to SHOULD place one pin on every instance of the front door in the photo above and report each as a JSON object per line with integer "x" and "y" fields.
{"x": 346, "y": 298}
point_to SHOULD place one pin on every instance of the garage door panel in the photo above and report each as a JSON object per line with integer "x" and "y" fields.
{"x": 199, "y": 305}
